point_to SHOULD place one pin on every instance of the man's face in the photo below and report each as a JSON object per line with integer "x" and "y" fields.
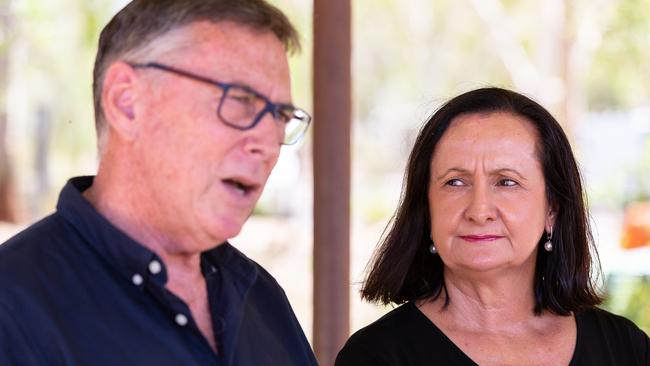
{"x": 203, "y": 177}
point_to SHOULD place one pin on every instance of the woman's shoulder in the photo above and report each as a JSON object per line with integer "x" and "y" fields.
{"x": 376, "y": 343}
{"x": 607, "y": 336}
{"x": 386, "y": 329}
{"x": 404, "y": 336}
{"x": 604, "y": 320}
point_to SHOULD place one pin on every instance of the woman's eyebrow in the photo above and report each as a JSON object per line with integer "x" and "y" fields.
{"x": 491, "y": 172}
{"x": 508, "y": 170}
{"x": 450, "y": 170}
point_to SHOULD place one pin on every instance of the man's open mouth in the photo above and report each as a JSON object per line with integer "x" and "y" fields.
{"x": 242, "y": 187}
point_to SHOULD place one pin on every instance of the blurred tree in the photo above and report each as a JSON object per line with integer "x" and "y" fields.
{"x": 52, "y": 109}
{"x": 638, "y": 305}
{"x": 619, "y": 77}
{"x": 8, "y": 198}
{"x": 629, "y": 296}
{"x": 409, "y": 58}
{"x": 553, "y": 75}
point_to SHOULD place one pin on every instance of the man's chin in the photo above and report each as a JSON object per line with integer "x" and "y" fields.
{"x": 224, "y": 229}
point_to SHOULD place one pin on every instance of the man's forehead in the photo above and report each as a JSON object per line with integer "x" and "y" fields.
{"x": 232, "y": 52}
{"x": 225, "y": 37}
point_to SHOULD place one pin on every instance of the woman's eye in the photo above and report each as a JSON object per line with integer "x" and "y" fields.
{"x": 455, "y": 183}
{"x": 507, "y": 183}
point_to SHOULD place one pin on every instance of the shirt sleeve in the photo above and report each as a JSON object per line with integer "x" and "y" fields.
{"x": 639, "y": 343}
{"x": 646, "y": 345}
{"x": 15, "y": 345}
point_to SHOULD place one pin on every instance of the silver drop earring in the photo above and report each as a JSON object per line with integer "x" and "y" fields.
{"x": 432, "y": 247}
{"x": 548, "y": 246}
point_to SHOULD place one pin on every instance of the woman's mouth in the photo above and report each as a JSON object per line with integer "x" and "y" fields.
{"x": 480, "y": 238}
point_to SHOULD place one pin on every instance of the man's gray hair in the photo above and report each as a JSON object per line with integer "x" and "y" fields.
{"x": 138, "y": 25}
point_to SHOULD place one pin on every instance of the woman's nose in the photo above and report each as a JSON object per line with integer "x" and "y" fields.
{"x": 481, "y": 208}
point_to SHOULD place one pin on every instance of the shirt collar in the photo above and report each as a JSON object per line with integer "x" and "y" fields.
{"x": 240, "y": 270}
{"x": 123, "y": 253}
{"x": 129, "y": 257}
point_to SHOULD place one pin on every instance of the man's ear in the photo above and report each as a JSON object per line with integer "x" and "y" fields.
{"x": 119, "y": 94}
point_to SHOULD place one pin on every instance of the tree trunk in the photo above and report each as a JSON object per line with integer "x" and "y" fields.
{"x": 553, "y": 78}
{"x": 8, "y": 198}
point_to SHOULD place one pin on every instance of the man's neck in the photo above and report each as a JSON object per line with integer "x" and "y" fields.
{"x": 118, "y": 207}
{"x": 184, "y": 276}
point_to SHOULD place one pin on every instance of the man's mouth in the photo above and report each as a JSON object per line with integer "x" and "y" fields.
{"x": 244, "y": 188}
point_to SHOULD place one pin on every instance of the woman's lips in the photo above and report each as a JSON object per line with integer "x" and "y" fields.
{"x": 480, "y": 238}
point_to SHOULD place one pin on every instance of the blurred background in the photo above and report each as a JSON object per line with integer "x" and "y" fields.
{"x": 588, "y": 61}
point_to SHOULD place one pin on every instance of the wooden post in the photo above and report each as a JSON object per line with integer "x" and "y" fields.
{"x": 331, "y": 154}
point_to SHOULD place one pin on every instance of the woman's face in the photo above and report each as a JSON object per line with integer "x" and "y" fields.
{"x": 487, "y": 196}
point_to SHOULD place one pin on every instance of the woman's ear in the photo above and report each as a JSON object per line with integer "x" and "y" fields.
{"x": 550, "y": 219}
{"x": 119, "y": 94}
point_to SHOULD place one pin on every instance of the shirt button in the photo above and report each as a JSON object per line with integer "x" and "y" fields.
{"x": 155, "y": 267}
{"x": 137, "y": 279}
{"x": 181, "y": 320}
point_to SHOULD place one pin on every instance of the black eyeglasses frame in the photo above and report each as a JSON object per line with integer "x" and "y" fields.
{"x": 270, "y": 107}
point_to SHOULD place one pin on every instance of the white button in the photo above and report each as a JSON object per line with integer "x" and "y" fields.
{"x": 181, "y": 320}
{"x": 137, "y": 279}
{"x": 155, "y": 267}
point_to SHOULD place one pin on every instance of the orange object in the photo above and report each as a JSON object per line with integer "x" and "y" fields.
{"x": 636, "y": 225}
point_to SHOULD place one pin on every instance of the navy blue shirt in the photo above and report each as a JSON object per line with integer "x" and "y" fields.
{"x": 75, "y": 290}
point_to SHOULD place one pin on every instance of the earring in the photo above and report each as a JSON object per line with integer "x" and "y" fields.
{"x": 548, "y": 246}
{"x": 432, "y": 247}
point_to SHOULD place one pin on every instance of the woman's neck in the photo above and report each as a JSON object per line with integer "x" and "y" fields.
{"x": 488, "y": 301}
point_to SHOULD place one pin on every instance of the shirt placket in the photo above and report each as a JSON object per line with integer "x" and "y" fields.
{"x": 178, "y": 312}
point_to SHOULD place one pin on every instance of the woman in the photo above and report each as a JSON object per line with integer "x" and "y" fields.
{"x": 490, "y": 250}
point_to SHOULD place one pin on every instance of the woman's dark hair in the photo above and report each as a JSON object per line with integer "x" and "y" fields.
{"x": 403, "y": 269}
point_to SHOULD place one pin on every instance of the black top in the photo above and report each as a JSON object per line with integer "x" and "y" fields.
{"x": 75, "y": 290}
{"x": 405, "y": 336}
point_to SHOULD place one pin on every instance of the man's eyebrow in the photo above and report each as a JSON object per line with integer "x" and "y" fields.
{"x": 491, "y": 172}
{"x": 243, "y": 84}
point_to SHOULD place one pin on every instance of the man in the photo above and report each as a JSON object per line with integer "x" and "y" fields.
{"x": 192, "y": 105}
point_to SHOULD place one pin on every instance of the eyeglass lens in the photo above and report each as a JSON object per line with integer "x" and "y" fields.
{"x": 240, "y": 108}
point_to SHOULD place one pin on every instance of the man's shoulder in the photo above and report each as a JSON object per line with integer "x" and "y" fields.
{"x": 268, "y": 315}
{"x": 242, "y": 265}
{"x": 263, "y": 290}
{"x": 32, "y": 239}
{"x": 32, "y": 250}
{"x": 248, "y": 277}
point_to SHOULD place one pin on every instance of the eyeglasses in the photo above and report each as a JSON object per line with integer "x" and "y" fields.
{"x": 242, "y": 107}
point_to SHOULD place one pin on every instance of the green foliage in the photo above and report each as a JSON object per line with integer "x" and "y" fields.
{"x": 51, "y": 71}
{"x": 94, "y": 15}
{"x": 642, "y": 174}
{"x": 630, "y": 297}
{"x": 620, "y": 73}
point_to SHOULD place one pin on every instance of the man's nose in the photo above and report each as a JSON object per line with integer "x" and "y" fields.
{"x": 265, "y": 139}
{"x": 481, "y": 208}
